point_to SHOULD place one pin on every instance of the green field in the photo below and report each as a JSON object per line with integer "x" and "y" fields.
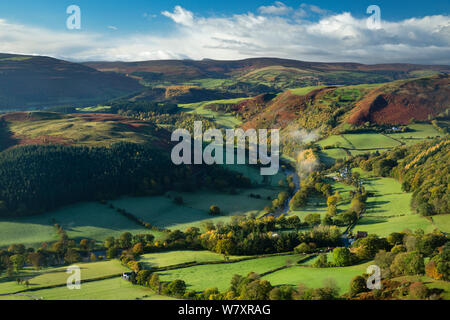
{"x": 318, "y": 205}
{"x": 163, "y": 212}
{"x": 389, "y": 210}
{"x": 421, "y": 133}
{"x": 225, "y": 120}
{"x": 200, "y": 278}
{"x": 442, "y": 222}
{"x": 315, "y": 277}
{"x": 363, "y": 143}
{"x": 98, "y": 108}
{"x": 304, "y": 91}
{"x": 85, "y": 220}
{"x": 367, "y": 141}
{"x": 172, "y": 258}
{"x": 254, "y": 174}
{"x": 58, "y": 276}
{"x": 330, "y": 156}
{"x": 110, "y": 289}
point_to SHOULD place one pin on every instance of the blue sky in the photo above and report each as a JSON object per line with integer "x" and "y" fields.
{"x": 128, "y": 16}
{"x": 412, "y": 31}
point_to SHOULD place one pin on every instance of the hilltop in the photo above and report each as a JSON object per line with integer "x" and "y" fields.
{"x": 37, "y": 81}
{"x": 93, "y": 129}
{"x": 185, "y": 70}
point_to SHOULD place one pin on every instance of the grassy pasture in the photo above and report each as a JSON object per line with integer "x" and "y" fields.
{"x": 389, "y": 210}
{"x": 254, "y": 174}
{"x": 442, "y": 222}
{"x": 318, "y": 205}
{"x": 163, "y": 212}
{"x": 384, "y": 226}
{"x": 110, "y": 289}
{"x": 335, "y": 140}
{"x": 222, "y": 119}
{"x": 58, "y": 276}
{"x": 304, "y": 91}
{"x": 330, "y": 156}
{"x": 98, "y": 108}
{"x": 200, "y": 278}
{"x": 209, "y": 83}
{"x": 370, "y": 141}
{"x": 315, "y": 277}
{"x": 363, "y": 143}
{"x": 420, "y": 134}
{"x": 172, "y": 258}
{"x": 85, "y": 220}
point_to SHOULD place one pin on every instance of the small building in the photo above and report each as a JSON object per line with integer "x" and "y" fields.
{"x": 361, "y": 235}
{"x": 126, "y": 276}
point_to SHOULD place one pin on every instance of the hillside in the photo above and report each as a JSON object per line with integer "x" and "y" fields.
{"x": 337, "y": 107}
{"x": 36, "y": 81}
{"x": 399, "y": 102}
{"x": 46, "y": 128}
{"x": 316, "y": 107}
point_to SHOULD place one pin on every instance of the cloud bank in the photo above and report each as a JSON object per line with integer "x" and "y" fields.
{"x": 272, "y": 31}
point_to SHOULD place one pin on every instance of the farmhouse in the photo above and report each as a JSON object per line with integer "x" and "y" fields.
{"x": 126, "y": 276}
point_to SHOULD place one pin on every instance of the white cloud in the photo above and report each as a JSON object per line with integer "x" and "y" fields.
{"x": 333, "y": 37}
{"x": 314, "y": 9}
{"x": 113, "y": 28}
{"x": 180, "y": 16}
{"x": 279, "y": 8}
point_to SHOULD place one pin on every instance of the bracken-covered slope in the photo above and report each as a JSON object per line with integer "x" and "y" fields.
{"x": 400, "y": 102}
{"x": 36, "y": 81}
{"x": 323, "y": 107}
{"x": 393, "y": 103}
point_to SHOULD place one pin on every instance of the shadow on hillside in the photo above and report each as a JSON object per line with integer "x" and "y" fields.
{"x": 6, "y": 137}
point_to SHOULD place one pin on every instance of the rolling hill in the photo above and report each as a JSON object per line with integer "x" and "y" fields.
{"x": 276, "y": 73}
{"x": 330, "y": 107}
{"x": 36, "y": 81}
{"x": 47, "y": 128}
{"x": 399, "y": 102}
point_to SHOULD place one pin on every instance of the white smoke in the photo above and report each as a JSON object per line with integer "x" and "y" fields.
{"x": 303, "y": 136}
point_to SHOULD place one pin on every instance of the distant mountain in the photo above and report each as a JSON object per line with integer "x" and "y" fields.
{"x": 36, "y": 81}
{"x": 267, "y": 70}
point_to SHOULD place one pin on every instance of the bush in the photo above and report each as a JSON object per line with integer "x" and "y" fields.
{"x": 176, "y": 288}
{"x": 303, "y": 248}
{"x": 418, "y": 290}
{"x": 358, "y": 285}
{"x": 214, "y": 211}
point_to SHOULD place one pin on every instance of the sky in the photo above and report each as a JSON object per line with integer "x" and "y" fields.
{"x": 329, "y": 31}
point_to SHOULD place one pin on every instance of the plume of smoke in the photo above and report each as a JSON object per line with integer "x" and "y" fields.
{"x": 297, "y": 139}
{"x": 303, "y": 136}
{"x": 307, "y": 163}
